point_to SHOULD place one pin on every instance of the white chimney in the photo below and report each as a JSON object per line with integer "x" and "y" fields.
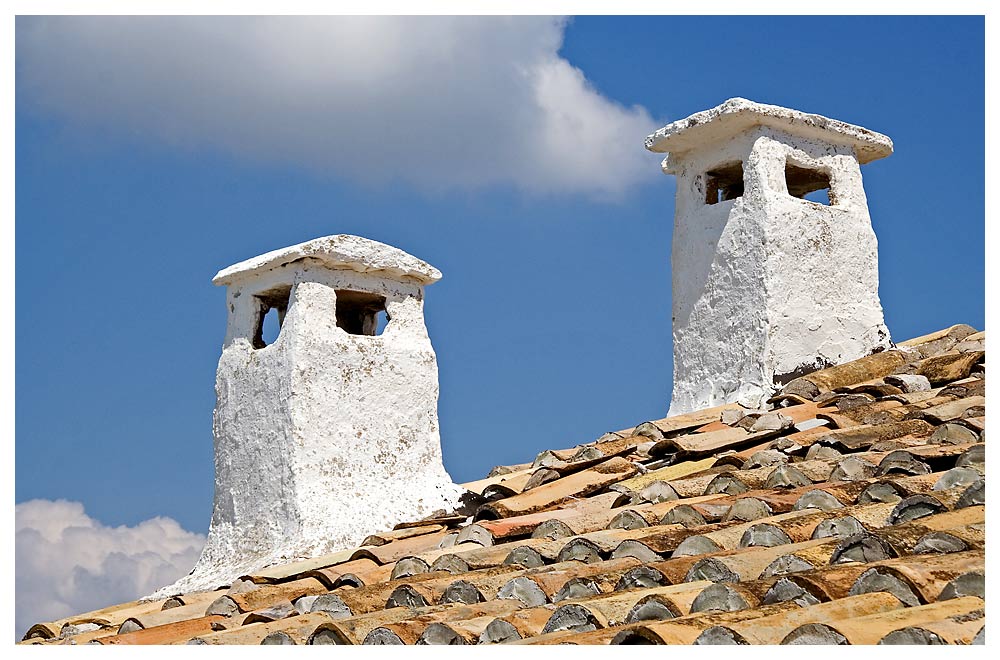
{"x": 330, "y": 433}
{"x": 767, "y": 284}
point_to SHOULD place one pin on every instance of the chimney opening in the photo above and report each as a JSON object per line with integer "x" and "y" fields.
{"x": 360, "y": 313}
{"x": 270, "y": 327}
{"x": 381, "y": 320}
{"x": 272, "y": 306}
{"x": 810, "y": 184}
{"x": 724, "y": 183}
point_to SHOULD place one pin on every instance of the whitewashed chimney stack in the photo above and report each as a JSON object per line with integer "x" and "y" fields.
{"x": 330, "y": 433}
{"x": 769, "y": 280}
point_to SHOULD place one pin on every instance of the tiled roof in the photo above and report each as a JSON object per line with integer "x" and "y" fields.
{"x": 851, "y": 511}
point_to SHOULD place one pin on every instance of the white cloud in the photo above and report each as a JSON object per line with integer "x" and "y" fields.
{"x": 67, "y": 563}
{"x": 439, "y": 102}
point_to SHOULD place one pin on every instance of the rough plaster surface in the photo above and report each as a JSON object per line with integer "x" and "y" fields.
{"x": 341, "y": 251}
{"x": 767, "y": 285}
{"x": 322, "y": 437}
{"x": 737, "y": 115}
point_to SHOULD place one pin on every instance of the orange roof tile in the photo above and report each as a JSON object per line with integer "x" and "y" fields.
{"x": 852, "y": 511}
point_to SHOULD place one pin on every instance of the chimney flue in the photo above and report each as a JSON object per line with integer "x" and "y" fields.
{"x": 774, "y": 259}
{"x": 330, "y": 432}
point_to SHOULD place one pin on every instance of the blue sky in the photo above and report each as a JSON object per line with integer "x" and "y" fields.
{"x": 144, "y": 164}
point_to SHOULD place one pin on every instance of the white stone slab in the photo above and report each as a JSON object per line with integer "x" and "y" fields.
{"x": 341, "y": 251}
{"x": 737, "y": 115}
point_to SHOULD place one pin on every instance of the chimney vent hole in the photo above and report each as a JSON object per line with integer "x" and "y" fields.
{"x": 272, "y": 306}
{"x": 270, "y": 326}
{"x": 809, "y": 184}
{"x": 724, "y": 183}
{"x": 360, "y": 313}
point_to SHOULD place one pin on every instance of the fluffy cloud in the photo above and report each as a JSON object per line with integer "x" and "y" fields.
{"x": 438, "y": 102}
{"x": 68, "y": 563}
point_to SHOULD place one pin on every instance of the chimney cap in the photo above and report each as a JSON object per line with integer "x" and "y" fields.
{"x": 341, "y": 251}
{"x": 738, "y": 115}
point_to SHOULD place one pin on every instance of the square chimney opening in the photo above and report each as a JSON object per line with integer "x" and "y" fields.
{"x": 272, "y": 307}
{"x": 809, "y": 184}
{"x": 724, "y": 183}
{"x": 360, "y": 313}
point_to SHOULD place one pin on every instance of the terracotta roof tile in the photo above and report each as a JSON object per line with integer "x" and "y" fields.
{"x": 850, "y": 511}
{"x": 873, "y": 628}
{"x": 171, "y": 633}
{"x": 772, "y": 629}
{"x": 522, "y": 624}
{"x": 294, "y": 630}
{"x": 579, "y": 484}
{"x": 285, "y": 571}
{"x": 355, "y": 572}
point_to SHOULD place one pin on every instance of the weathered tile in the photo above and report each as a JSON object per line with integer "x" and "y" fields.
{"x": 879, "y": 463}
{"x": 877, "y": 365}
{"x": 659, "y": 428}
{"x": 669, "y": 473}
{"x": 579, "y": 484}
{"x": 171, "y": 633}
{"x": 774, "y": 628}
{"x": 265, "y": 596}
{"x": 945, "y": 368}
{"x": 860, "y": 437}
{"x": 285, "y": 571}
{"x": 870, "y": 628}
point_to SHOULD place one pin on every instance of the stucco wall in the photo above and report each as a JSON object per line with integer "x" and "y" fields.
{"x": 322, "y": 437}
{"x": 768, "y": 284}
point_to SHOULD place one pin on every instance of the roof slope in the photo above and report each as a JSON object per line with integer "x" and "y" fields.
{"x": 851, "y": 511}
